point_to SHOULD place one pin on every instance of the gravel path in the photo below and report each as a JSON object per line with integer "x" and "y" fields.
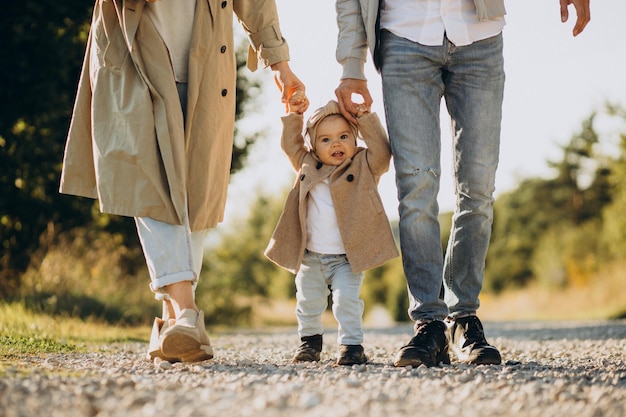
{"x": 550, "y": 369}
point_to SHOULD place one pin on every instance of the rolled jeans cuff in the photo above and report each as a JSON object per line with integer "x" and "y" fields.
{"x": 157, "y": 285}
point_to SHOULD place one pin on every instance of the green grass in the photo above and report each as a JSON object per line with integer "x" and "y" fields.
{"x": 23, "y": 332}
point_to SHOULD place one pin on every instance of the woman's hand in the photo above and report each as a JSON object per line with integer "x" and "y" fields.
{"x": 292, "y": 89}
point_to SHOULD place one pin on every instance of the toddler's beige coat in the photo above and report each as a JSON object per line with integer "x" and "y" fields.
{"x": 363, "y": 224}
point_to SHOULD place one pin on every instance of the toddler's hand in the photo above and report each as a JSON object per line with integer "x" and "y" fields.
{"x": 298, "y": 103}
{"x": 361, "y": 109}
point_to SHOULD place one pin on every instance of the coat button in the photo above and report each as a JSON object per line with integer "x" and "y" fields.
{"x": 224, "y": 4}
{"x": 302, "y": 177}
{"x": 319, "y": 165}
{"x": 350, "y": 178}
{"x": 223, "y": 49}
{"x": 224, "y": 92}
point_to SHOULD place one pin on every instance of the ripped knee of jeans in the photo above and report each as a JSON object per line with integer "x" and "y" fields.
{"x": 427, "y": 170}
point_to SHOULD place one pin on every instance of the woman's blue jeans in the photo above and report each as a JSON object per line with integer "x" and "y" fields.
{"x": 471, "y": 81}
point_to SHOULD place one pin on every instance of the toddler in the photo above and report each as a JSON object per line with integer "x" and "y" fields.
{"x": 333, "y": 226}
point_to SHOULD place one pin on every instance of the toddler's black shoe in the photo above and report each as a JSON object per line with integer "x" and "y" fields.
{"x": 351, "y": 355}
{"x": 428, "y": 347}
{"x": 309, "y": 350}
{"x": 468, "y": 343}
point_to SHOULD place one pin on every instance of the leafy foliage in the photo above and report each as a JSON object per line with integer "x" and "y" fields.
{"x": 613, "y": 228}
{"x": 386, "y": 286}
{"x": 236, "y": 273}
{"x": 86, "y": 273}
{"x": 43, "y": 41}
{"x": 546, "y": 229}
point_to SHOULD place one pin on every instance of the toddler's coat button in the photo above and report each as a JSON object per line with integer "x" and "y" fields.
{"x": 319, "y": 165}
{"x": 302, "y": 177}
{"x": 223, "y": 49}
{"x": 224, "y": 4}
{"x": 224, "y": 92}
{"x": 350, "y": 178}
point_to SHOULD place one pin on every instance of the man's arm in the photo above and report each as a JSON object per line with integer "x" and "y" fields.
{"x": 351, "y": 54}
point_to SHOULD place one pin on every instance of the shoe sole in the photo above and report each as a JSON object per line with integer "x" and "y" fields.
{"x": 305, "y": 358}
{"x": 488, "y": 357}
{"x": 203, "y": 353}
{"x": 399, "y": 362}
{"x": 294, "y": 360}
{"x": 485, "y": 362}
{"x": 481, "y": 361}
{"x": 351, "y": 362}
{"x": 180, "y": 344}
{"x": 158, "y": 354}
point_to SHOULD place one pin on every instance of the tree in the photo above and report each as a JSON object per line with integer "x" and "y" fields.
{"x": 539, "y": 208}
{"x": 43, "y": 43}
{"x": 614, "y": 221}
{"x": 236, "y": 274}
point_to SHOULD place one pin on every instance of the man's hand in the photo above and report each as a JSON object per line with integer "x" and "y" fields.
{"x": 289, "y": 85}
{"x": 344, "y": 92}
{"x": 582, "y": 12}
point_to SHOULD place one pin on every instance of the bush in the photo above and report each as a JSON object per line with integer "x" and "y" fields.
{"x": 567, "y": 255}
{"x": 90, "y": 274}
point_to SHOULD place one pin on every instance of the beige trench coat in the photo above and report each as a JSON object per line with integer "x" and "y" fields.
{"x": 363, "y": 224}
{"x": 127, "y": 145}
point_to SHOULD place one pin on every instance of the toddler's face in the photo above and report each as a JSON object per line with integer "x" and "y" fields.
{"x": 334, "y": 140}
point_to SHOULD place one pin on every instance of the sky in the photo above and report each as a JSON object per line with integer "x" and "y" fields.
{"x": 554, "y": 82}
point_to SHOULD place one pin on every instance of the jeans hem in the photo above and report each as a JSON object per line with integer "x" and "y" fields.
{"x": 170, "y": 279}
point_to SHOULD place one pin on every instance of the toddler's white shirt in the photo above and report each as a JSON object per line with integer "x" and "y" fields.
{"x": 322, "y": 229}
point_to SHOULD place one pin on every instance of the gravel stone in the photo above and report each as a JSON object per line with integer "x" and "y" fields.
{"x": 557, "y": 369}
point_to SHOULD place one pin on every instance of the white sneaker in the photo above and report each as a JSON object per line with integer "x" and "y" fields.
{"x": 187, "y": 339}
{"x": 154, "y": 349}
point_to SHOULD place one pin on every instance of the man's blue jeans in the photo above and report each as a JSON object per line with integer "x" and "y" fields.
{"x": 471, "y": 80}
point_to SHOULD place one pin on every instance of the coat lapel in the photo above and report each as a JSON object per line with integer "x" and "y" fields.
{"x": 198, "y": 56}
{"x": 130, "y": 13}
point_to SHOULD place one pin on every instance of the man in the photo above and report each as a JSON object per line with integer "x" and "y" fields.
{"x": 426, "y": 50}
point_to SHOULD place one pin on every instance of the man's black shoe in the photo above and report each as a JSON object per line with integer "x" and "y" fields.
{"x": 351, "y": 355}
{"x": 309, "y": 350}
{"x": 468, "y": 343}
{"x": 428, "y": 347}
